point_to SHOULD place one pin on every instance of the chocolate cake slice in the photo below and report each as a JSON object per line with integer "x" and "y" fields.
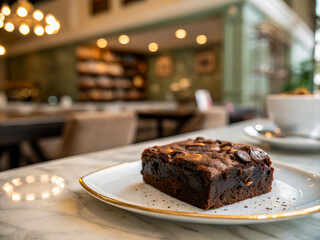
{"x": 208, "y": 174}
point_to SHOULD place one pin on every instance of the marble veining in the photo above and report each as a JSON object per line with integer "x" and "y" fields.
{"x": 74, "y": 214}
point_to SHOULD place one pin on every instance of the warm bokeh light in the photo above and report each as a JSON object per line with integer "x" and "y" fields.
{"x": 26, "y": 92}
{"x": 181, "y": 33}
{"x": 38, "y": 15}
{"x": 61, "y": 185}
{"x": 16, "y": 181}
{"x": 24, "y": 29}
{"x": 30, "y": 197}
{"x": 54, "y": 178}
{"x": 153, "y": 47}
{"x": 25, "y": 18}
{"x": 30, "y": 179}
{"x": 7, "y": 187}
{"x": 201, "y": 39}
{"x": 44, "y": 178}
{"x": 268, "y": 134}
{"x": 56, "y": 26}
{"x": 9, "y": 27}
{"x": 49, "y": 29}
{"x": 50, "y": 19}
{"x": 138, "y": 81}
{"x": 102, "y": 43}
{"x": 174, "y": 86}
{"x": 22, "y": 12}
{"x": 184, "y": 82}
{"x": 124, "y": 39}
{"x": 59, "y": 180}
{"x": 44, "y": 192}
{"x": 16, "y": 197}
{"x": 2, "y": 50}
{"x": 38, "y": 30}
{"x": 5, "y": 10}
{"x": 45, "y": 195}
{"x": 56, "y": 190}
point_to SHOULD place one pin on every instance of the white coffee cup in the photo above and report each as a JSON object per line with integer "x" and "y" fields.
{"x": 295, "y": 114}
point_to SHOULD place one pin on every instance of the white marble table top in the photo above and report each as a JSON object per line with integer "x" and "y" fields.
{"x": 63, "y": 210}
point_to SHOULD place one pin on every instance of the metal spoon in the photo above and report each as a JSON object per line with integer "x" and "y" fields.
{"x": 278, "y": 134}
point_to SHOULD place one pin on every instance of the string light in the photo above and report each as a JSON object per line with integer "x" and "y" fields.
{"x": 9, "y": 27}
{"x": 56, "y": 26}
{"x": 5, "y": 9}
{"x": 22, "y": 12}
{"x": 30, "y": 197}
{"x": 24, "y": 29}
{"x": 38, "y": 30}
{"x": 49, "y": 29}
{"x": 50, "y": 19}
{"x": 38, "y": 15}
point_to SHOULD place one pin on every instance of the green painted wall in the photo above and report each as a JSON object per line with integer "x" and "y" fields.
{"x": 53, "y": 70}
{"x": 183, "y": 67}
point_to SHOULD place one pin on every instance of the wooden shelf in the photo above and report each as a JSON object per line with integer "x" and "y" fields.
{"x": 131, "y": 63}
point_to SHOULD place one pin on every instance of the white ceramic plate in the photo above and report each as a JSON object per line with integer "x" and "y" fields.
{"x": 294, "y": 143}
{"x": 295, "y": 193}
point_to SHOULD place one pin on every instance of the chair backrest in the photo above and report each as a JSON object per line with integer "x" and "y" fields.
{"x": 88, "y": 132}
{"x": 203, "y": 99}
{"x": 214, "y": 117}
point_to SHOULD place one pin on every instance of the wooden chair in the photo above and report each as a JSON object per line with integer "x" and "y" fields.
{"x": 217, "y": 116}
{"x": 89, "y": 132}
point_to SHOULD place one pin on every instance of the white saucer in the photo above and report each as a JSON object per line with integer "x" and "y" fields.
{"x": 294, "y": 143}
{"x": 295, "y": 193}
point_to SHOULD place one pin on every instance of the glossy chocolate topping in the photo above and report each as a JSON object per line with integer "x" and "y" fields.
{"x": 209, "y": 155}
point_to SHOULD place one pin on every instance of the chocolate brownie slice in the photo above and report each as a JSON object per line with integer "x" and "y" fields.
{"x": 208, "y": 174}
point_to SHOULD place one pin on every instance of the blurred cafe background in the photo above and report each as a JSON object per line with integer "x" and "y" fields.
{"x": 78, "y": 76}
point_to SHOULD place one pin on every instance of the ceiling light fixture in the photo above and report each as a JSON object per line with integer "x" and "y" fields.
{"x": 102, "y": 43}
{"x": 201, "y": 39}
{"x": 23, "y": 14}
{"x": 124, "y": 39}
{"x": 153, "y": 47}
{"x": 181, "y": 33}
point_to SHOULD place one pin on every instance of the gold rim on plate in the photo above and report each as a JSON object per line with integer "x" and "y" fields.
{"x": 116, "y": 202}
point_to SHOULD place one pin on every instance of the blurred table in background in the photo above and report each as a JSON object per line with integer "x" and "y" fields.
{"x": 28, "y": 123}
{"x": 15, "y": 131}
{"x": 181, "y": 116}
